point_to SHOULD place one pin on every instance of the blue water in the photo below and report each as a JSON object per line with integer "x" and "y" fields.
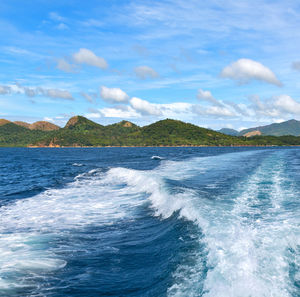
{"x": 211, "y": 222}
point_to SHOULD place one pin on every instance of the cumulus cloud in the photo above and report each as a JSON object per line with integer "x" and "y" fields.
{"x": 276, "y": 108}
{"x": 144, "y": 107}
{"x": 113, "y": 95}
{"x": 287, "y": 104}
{"x": 4, "y": 90}
{"x": 144, "y": 72}
{"x": 219, "y": 111}
{"x": 246, "y": 70}
{"x": 85, "y": 56}
{"x": 63, "y": 65}
{"x": 214, "y": 111}
{"x": 120, "y": 112}
{"x": 207, "y": 96}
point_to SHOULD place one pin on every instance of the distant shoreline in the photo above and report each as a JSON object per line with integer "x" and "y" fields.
{"x": 151, "y": 146}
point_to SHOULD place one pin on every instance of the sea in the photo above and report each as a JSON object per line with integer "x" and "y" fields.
{"x": 185, "y": 221}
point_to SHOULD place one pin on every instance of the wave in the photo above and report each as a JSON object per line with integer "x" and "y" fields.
{"x": 156, "y": 158}
{"x": 238, "y": 201}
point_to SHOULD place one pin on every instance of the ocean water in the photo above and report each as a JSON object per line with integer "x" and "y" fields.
{"x": 213, "y": 222}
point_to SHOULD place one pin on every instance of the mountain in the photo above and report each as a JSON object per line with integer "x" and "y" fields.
{"x": 40, "y": 125}
{"x": 44, "y": 126}
{"x": 4, "y": 122}
{"x": 291, "y": 127}
{"x": 80, "y": 132}
{"x": 12, "y": 134}
{"x": 81, "y": 123}
{"x": 172, "y": 132}
{"x": 229, "y": 131}
{"x": 23, "y": 124}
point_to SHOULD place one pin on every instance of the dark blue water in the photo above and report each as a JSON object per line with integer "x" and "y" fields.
{"x": 117, "y": 222}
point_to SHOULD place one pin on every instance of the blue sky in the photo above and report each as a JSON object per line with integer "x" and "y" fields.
{"x": 212, "y": 63}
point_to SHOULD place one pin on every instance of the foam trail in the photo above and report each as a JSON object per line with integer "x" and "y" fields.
{"x": 247, "y": 243}
{"x": 27, "y": 226}
{"x": 246, "y": 230}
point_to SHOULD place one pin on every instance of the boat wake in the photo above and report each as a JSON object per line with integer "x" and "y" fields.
{"x": 245, "y": 207}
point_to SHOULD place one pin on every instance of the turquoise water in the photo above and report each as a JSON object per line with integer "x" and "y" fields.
{"x": 117, "y": 222}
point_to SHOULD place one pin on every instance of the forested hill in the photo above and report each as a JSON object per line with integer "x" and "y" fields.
{"x": 291, "y": 127}
{"x": 79, "y": 131}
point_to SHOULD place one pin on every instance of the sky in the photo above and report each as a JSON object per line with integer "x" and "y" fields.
{"x": 216, "y": 64}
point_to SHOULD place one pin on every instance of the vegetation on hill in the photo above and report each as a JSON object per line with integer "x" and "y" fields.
{"x": 291, "y": 127}
{"x": 79, "y": 131}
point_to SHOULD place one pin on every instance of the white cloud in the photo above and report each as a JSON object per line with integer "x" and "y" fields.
{"x": 214, "y": 111}
{"x": 219, "y": 111}
{"x": 63, "y": 65}
{"x": 240, "y": 108}
{"x": 287, "y": 104}
{"x": 276, "y": 108}
{"x": 113, "y": 95}
{"x": 245, "y": 70}
{"x": 144, "y": 107}
{"x": 4, "y": 90}
{"x": 85, "y": 56}
{"x": 56, "y": 93}
{"x": 48, "y": 119}
{"x": 144, "y": 72}
{"x": 120, "y": 112}
{"x": 207, "y": 96}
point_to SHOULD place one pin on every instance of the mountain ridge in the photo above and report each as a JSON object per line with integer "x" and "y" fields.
{"x": 82, "y": 132}
{"x": 290, "y": 127}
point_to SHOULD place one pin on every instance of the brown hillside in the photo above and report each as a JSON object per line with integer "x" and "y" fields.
{"x": 252, "y": 133}
{"x": 44, "y": 126}
{"x": 126, "y": 124}
{"x": 23, "y": 124}
{"x": 72, "y": 121}
{"x": 3, "y": 122}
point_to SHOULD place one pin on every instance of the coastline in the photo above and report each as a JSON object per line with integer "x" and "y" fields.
{"x": 157, "y": 146}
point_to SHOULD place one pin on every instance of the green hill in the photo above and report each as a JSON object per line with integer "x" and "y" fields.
{"x": 291, "y": 127}
{"x": 80, "y": 131}
{"x": 172, "y": 132}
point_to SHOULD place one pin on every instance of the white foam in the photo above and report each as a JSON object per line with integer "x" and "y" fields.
{"x": 27, "y": 225}
{"x": 246, "y": 243}
{"x": 156, "y": 158}
{"x": 246, "y": 255}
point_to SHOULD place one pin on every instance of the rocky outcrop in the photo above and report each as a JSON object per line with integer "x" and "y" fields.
{"x": 72, "y": 121}
{"x": 253, "y": 133}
